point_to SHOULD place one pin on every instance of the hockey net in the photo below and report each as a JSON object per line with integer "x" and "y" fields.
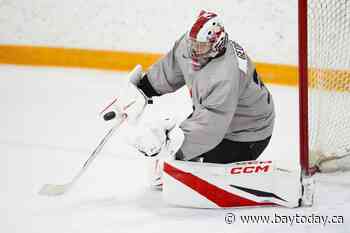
{"x": 328, "y": 85}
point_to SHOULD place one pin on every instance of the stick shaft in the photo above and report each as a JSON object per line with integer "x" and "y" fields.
{"x": 52, "y": 189}
{"x": 97, "y": 151}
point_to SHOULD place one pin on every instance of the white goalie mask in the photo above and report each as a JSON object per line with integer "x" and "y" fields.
{"x": 207, "y": 38}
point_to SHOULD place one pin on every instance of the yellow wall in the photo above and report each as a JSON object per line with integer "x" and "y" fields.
{"x": 123, "y": 61}
{"x": 116, "y": 60}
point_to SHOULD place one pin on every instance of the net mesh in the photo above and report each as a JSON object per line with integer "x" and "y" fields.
{"x": 329, "y": 76}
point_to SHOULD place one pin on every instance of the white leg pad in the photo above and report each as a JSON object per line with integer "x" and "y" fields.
{"x": 251, "y": 183}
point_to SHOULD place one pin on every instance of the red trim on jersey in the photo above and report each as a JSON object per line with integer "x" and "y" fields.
{"x": 219, "y": 196}
{"x": 202, "y": 19}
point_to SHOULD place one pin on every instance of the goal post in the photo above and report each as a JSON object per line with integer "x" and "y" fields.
{"x": 303, "y": 86}
{"x": 324, "y": 81}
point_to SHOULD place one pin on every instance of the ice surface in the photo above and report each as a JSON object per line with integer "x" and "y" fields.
{"x": 49, "y": 123}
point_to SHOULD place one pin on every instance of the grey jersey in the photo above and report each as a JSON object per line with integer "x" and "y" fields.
{"x": 228, "y": 97}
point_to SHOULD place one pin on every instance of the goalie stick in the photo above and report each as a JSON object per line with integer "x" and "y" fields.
{"x": 60, "y": 189}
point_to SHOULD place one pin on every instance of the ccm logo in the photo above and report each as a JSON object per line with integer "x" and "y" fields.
{"x": 250, "y": 169}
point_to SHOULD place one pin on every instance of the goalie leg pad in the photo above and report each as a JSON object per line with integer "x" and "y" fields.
{"x": 155, "y": 173}
{"x": 156, "y": 164}
{"x": 250, "y": 183}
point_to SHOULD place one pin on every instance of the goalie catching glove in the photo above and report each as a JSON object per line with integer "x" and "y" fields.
{"x": 161, "y": 139}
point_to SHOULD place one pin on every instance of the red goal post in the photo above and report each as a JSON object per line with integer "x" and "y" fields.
{"x": 303, "y": 87}
{"x": 324, "y": 81}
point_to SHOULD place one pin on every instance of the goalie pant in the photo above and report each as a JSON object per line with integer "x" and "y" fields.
{"x": 229, "y": 100}
{"x": 230, "y": 151}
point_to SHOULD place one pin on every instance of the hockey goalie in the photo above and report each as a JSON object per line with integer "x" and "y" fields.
{"x": 210, "y": 160}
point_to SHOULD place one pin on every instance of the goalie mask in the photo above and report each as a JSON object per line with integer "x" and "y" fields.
{"x": 206, "y": 39}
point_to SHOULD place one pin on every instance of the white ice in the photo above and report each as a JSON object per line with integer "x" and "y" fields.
{"x": 49, "y": 124}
